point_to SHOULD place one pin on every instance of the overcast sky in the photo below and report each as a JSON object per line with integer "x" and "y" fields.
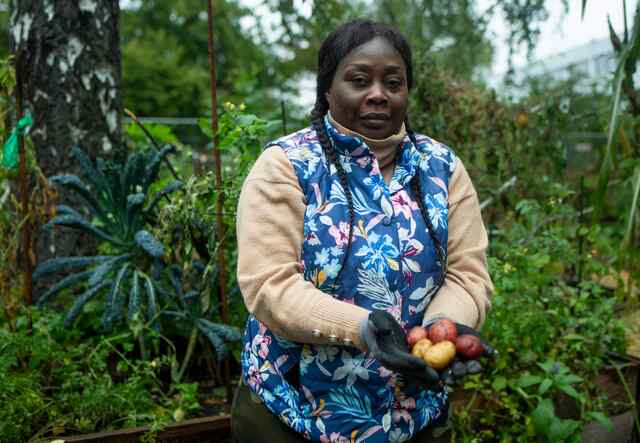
{"x": 560, "y": 34}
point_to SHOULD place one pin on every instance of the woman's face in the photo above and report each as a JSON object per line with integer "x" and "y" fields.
{"x": 369, "y": 91}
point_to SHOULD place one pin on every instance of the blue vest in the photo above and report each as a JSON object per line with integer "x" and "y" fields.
{"x": 345, "y": 395}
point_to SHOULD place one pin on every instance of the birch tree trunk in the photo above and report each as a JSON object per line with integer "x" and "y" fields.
{"x": 68, "y": 57}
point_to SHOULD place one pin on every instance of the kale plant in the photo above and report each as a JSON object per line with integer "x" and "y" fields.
{"x": 121, "y": 209}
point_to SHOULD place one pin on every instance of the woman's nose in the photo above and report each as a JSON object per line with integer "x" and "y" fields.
{"x": 377, "y": 94}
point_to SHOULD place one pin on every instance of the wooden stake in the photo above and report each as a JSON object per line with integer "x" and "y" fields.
{"x": 27, "y": 289}
{"x": 224, "y": 312}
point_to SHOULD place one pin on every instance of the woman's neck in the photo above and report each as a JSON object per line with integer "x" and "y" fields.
{"x": 384, "y": 149}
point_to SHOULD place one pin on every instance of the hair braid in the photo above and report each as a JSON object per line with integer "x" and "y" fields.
{"x": 318, "y": 125}
{"x": 416, "y": 187}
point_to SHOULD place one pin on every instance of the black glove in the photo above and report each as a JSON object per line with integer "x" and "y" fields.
{"x": 385, "y": 339}
{"x": 461, "y": 368}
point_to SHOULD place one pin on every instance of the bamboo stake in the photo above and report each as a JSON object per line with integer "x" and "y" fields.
{"x": 218, "y": 171}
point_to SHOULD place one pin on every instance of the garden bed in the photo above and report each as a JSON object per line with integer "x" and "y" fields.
{"x": 199, "y": 430}
{"x": 618, "y": 381}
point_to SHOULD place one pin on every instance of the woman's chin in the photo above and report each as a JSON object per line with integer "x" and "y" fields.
{"x": 376, "y": 132}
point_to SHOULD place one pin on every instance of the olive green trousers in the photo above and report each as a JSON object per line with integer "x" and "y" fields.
{"x": 252, "y": 422}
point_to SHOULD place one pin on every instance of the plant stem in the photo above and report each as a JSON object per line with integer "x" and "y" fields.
{"x": 630, "y": 395}
{"x": 143, "y": 348}
{"x": 187, "y": 356}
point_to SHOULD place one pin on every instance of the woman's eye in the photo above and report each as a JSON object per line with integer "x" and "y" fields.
{"x": 359, "y": 81}
{"x": 393, "y": 83}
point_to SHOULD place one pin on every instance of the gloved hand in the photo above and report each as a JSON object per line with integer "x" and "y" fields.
{"x": 385, "y": 339}
{"x": 460, "y": 368}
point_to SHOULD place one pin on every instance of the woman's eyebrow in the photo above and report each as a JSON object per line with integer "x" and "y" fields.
{"x": 367, "y": 66}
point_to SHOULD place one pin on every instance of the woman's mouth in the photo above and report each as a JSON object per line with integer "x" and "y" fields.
{"x": 375, "y": 119}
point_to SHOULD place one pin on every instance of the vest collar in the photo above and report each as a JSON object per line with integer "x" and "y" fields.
{"x": 353, "y": 145}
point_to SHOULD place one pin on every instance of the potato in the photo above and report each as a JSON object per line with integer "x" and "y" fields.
{"x": 416, "y": 334}
{"x": 440, "y": 355}
{"x": 469, "y": 346}
{"x": 443, "y": 330}
{"x": 421, "y": 347}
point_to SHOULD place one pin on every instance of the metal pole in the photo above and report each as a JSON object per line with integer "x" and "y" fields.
{"x": 224, "y": 312}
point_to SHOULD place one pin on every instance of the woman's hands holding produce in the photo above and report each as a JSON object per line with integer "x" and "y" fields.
{"x": 451, "y": 348}
{"x": 385, "y": 339}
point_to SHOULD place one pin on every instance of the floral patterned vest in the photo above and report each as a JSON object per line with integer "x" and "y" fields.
{"x": 345, "y": 395}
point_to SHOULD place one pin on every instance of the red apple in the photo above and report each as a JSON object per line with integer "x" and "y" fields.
{"x": 443, "y": 330}
{"x": 416, "y": 334}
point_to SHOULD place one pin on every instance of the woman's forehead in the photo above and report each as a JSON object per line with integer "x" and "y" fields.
{"x": 375, "y": 51}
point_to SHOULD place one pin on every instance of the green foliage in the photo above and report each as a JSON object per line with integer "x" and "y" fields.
{"x": 552, "y": 330}
{"x": 452, "y": 32}
{"x": 302, "y": 31}
{"x": 159, "y": 132}
{"x": 56, "y": 381}
{"x": 165, "y": 57}
{"x": 115, "y": 200}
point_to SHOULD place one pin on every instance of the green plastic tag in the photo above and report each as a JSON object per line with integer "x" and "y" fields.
{"x": 10, "y": 150}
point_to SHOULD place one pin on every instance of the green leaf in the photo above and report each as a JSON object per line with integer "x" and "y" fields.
{"x": 544, "y": 386}
{"x": 607, "y": 163}
{"x": 633, "y": 210}
{"x": 134, "y": 201}
{"x": 546, "y": 365}
{"x": 543, "y": 416}
{"x": 113, "y": 303}
{"x": 569, "y": 390}
{"x": 73, "y": 183}
{"x": 100, "y": 272}
{"x": 569, "y": 379}
{"x": 528, "y": 380}
{"x": 133, "y": 172}
{"x": 66, "y": 264}
{"x": 601, "y": 418}
{"x": 229, "y": 333}
{"x": 79, "y": 303}
{"x": 205, "y": 126}
{"x": 81, "y": 224}
{"x": 63, "y": 284}
{"x": 217, "y": 342}
{"x": 560, "y": 430}
{"x": 134, "y": 297}
{"x": 149, "y": 243}
{"x": 151, "y": 302}
{"x": 171, "y": 187}
{"x": 153, "y": 166}
{"x": 95, "y": 177}
{"x": 584, "y": 7}
{"x": 499, "y": 383}
{"x": 67, "y": 210}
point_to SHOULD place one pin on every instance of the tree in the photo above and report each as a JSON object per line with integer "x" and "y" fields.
{"x": 68, "y": 57}
{"x": 451, "y": 32}
{"x": 165, "y": 57}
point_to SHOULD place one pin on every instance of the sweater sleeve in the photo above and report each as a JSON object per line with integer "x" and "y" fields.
{"x": 464, "y": 295}
{"x": 269, "y": 228}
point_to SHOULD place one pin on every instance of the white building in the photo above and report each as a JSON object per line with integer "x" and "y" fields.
{"x": 593, "y": 63}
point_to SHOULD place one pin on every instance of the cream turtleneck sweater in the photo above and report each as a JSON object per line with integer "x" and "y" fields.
{"x": 385, "y": 150}
{"x": 269, "y": 229}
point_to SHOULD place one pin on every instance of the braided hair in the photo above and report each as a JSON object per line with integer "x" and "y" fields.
{"x": 334, "y": 48}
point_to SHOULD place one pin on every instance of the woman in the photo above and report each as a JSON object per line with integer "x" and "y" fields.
{"x": 350, "y": 232}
